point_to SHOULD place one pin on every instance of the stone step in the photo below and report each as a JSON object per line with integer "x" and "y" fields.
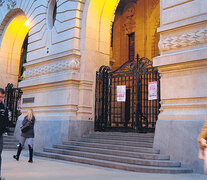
{"x": 124, "y": 138}
{"x": 112, "y": 147}
{"x": 143, "y": 154}
{"x": 10, "y": 133}
{"x": 13, "y": 143}
{"x": 9, "y": 137}
{"x": 121, "y": 134}
{"x": 10, "y": 140}
{"x": 118, "y": 142}
{"x": 10, "y": 147}
{"x": 116, "y": 158}
{"x": 116, "y": 165}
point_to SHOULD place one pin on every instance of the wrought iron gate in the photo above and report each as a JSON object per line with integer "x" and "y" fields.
{"x": 12, "y": 98}
{"x": 137, "y": 112}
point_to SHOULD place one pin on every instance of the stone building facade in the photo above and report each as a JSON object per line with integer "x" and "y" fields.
{"x": 68, "y": 40}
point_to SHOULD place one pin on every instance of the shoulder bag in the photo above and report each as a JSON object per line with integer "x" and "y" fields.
{"x": 26, "y": 127}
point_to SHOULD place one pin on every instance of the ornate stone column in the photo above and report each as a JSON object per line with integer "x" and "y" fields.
{"x": 183, "y": 68}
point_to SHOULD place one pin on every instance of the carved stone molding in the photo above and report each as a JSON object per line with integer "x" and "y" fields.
{"x": 10, "y": 3}
{"x": 184, "y": 40}
{"x": 58, "y": 66}
{"x": 129, "y": 19}
{"x": 1, "y": 3}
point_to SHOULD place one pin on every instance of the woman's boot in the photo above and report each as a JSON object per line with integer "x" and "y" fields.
{"x": 30, "y": 154}
{"x": 18, "y": 152}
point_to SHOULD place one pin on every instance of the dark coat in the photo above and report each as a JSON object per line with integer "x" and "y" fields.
{"x": 4, "y": 121}
{"x": 30, "y": 132}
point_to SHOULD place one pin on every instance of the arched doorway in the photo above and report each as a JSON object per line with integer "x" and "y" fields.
{"x": 13, "y": 53}
{"x": 13, "y": 46}
{"x": 120, "y": 30}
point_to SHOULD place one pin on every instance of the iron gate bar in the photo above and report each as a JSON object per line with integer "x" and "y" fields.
{"x": 12, "y": 96}
{"x": 137, "y": 113}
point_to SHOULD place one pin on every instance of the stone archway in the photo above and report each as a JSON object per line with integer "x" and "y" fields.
{"x": 96, "y": 34}
{"x": 94, "y": 45}
{"x": 98, "y": 20}
{"x": 12, "y": 40}
{"x": 98, "y": 17}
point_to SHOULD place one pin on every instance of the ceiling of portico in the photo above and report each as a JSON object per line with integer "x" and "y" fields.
{"x": 122, "y": 5}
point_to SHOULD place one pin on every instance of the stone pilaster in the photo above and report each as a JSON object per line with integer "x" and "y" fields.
{"x": 183, "y": 68}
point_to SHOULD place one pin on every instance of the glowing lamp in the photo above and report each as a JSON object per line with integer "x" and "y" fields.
{"x": 27, "y": 22}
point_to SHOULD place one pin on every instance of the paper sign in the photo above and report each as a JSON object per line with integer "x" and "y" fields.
{"x": 152, "y": 90}
{"x": 121, "y": 93}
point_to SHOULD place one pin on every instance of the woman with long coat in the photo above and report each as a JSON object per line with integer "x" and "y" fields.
{"x": 29, "y": 134}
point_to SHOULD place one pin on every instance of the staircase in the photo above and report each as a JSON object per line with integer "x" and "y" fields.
{"x": 126, "y": 151}
{"x": 10, "y": 142}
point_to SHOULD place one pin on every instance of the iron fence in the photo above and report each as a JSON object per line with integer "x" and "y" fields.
{"x": 12, "y": 101}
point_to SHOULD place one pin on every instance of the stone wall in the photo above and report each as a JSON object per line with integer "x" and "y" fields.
{"x": 53, "y": 70}
{"x": 183, "y": 68}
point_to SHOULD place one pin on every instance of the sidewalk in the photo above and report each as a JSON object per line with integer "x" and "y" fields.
{"x": 47, "y": 169}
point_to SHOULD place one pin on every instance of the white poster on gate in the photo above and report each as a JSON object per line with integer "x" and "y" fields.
{"x": 121, "y": 93}
{"x": 152, "y": 90}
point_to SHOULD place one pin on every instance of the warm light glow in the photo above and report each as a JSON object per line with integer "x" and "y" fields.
{"x": 27, "y": 23}
{"x": 11, "y": 45}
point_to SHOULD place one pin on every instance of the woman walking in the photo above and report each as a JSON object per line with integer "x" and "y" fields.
{"x": 27, "y": 133}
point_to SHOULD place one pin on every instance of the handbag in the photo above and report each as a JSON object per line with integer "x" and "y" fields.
{"x": 26, "y": 127}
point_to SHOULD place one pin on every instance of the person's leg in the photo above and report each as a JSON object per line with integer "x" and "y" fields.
{"x": 1, "y": 148}
{"x": 30, "y": 145}
{"x": 22, "y": 141}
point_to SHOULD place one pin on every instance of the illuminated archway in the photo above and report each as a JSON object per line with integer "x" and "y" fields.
{"x": 135, "y": 31}
{"x": 98, "y": 17}
{"x": 96, "y": 33}
{"x": 98, "y": 23}
{"x": 11, "y": 46}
